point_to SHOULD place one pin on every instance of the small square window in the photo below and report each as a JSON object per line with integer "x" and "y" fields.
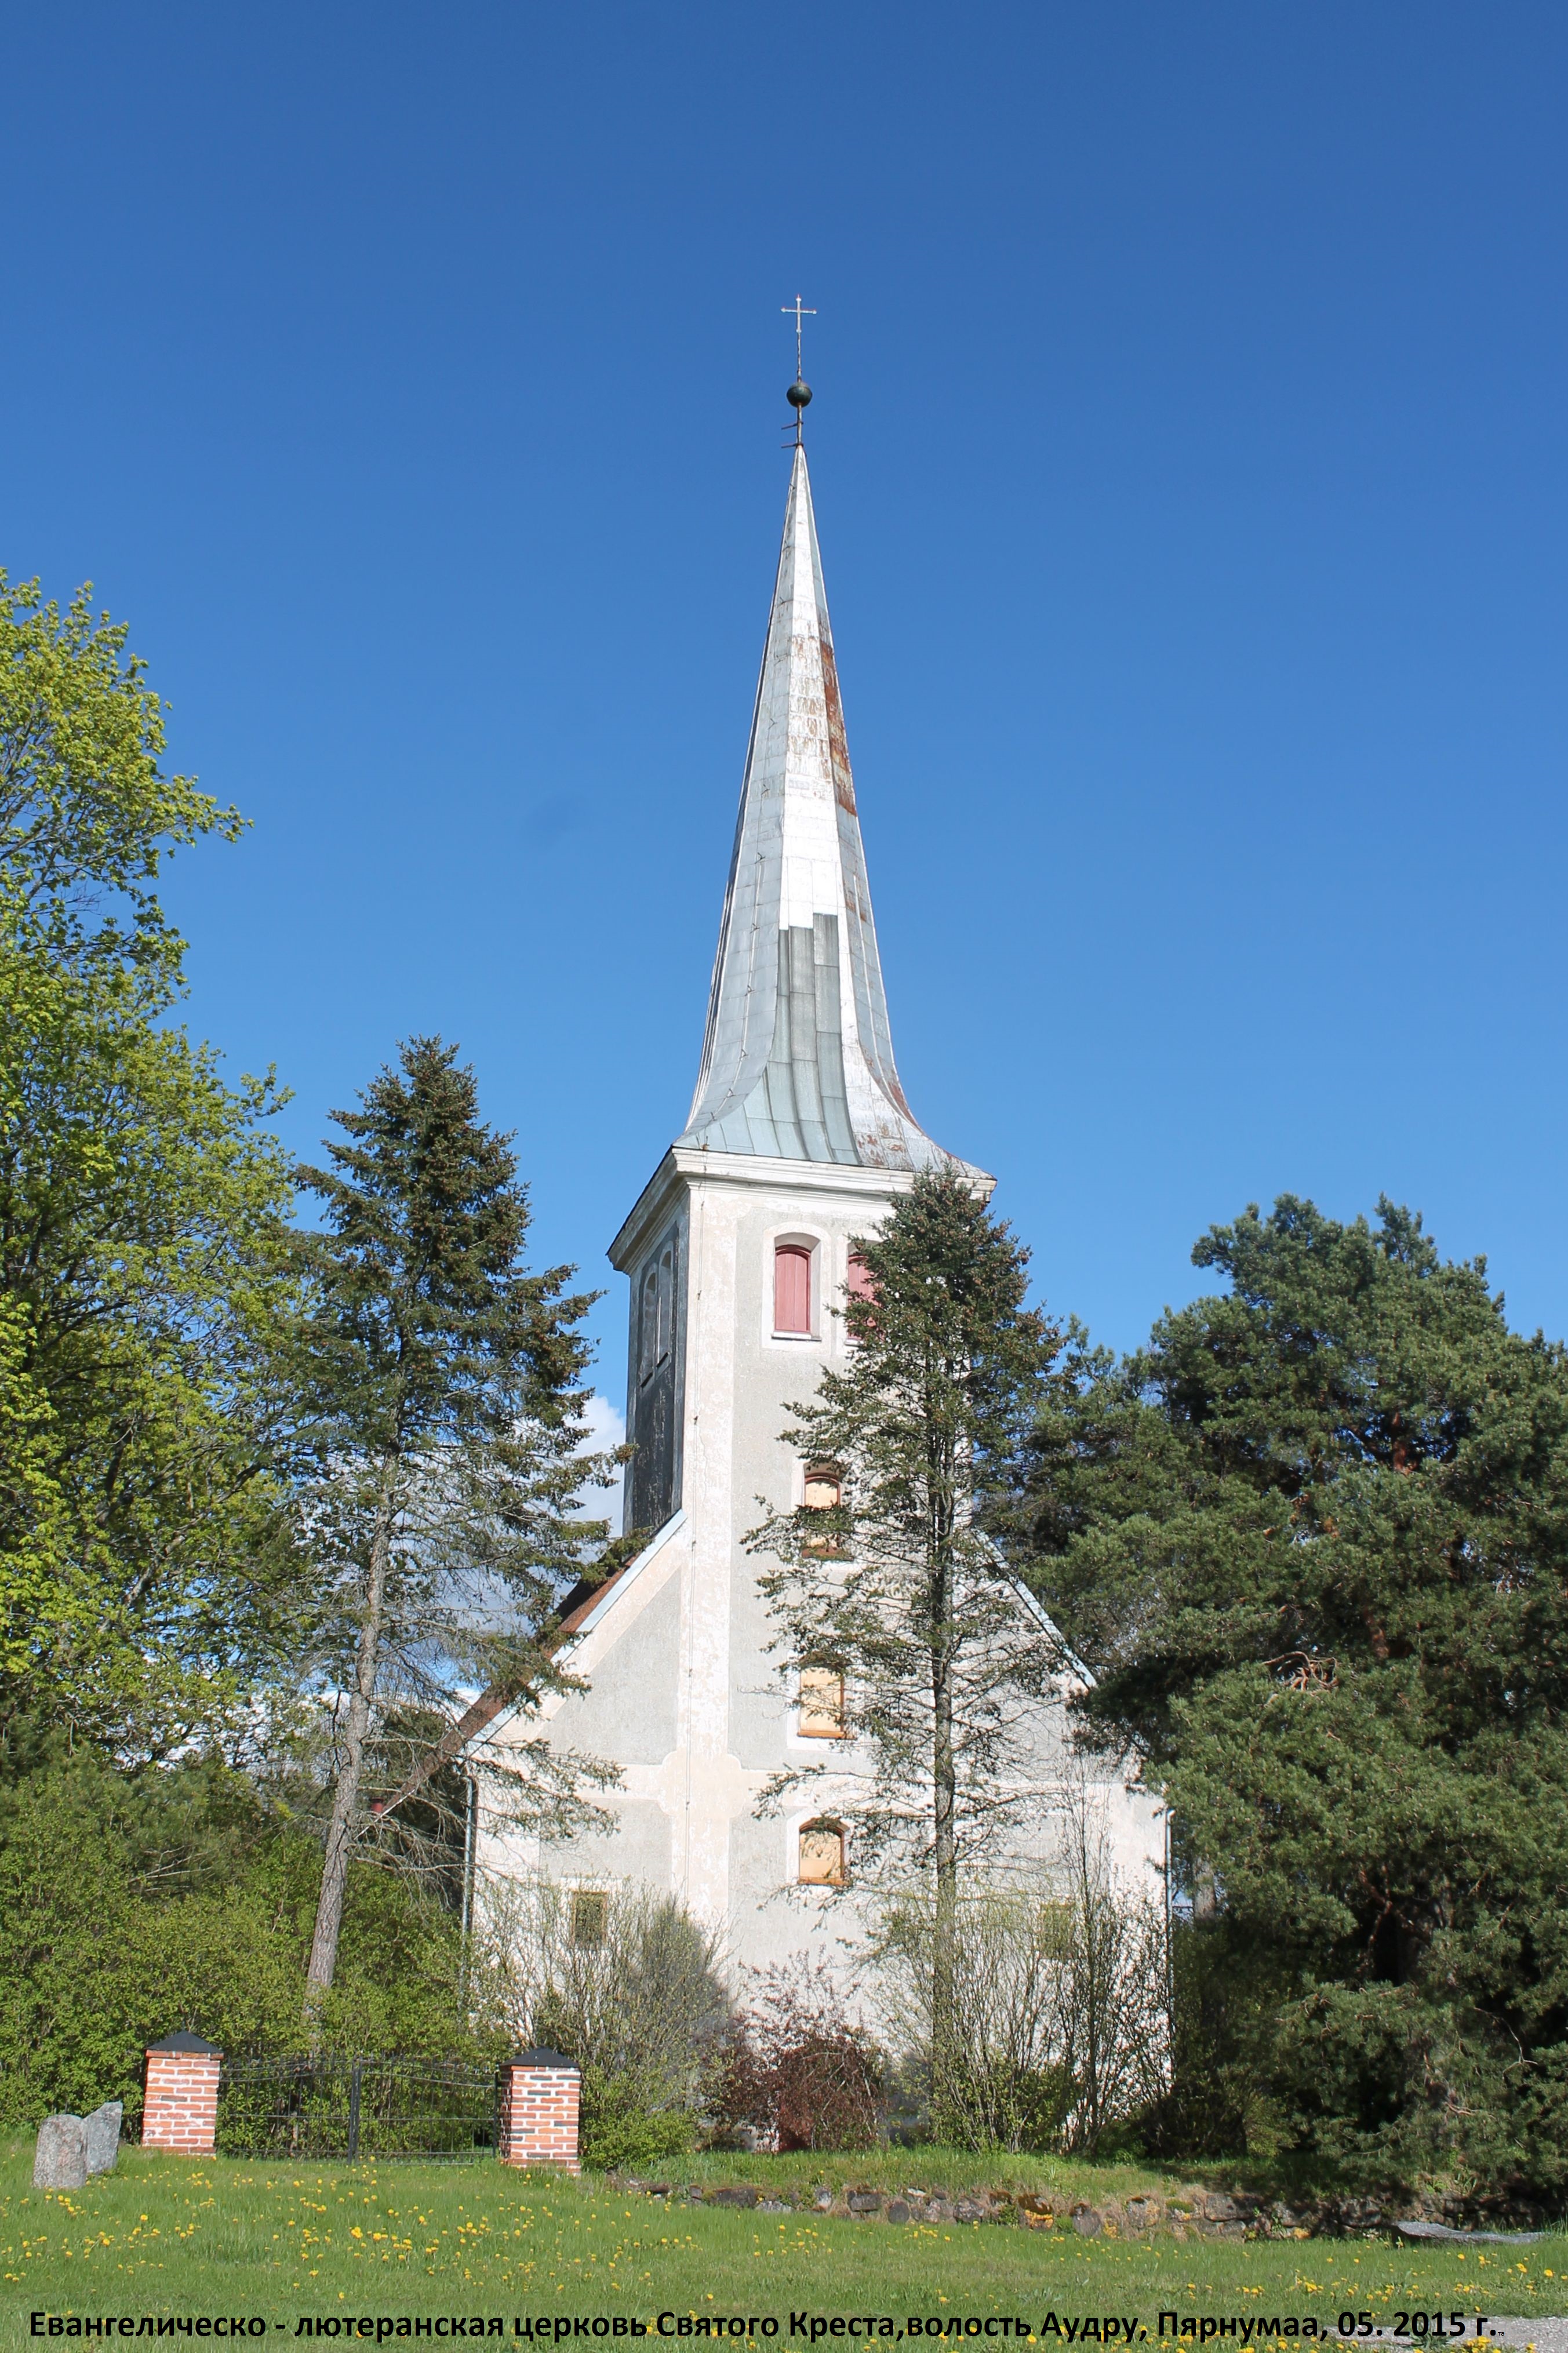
{"x": 590, "y": 1917}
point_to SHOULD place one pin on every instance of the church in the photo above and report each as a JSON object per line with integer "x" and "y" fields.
{"x": 739, "y": 1252}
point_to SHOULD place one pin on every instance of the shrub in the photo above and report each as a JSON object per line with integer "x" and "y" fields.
{"x": 799, "y": 2071}
{"x": 637, "y": 2002}
{"x": 1226, "y": 1997}
{"x": 998, "y": 2081}
{"x": 1059, "y": 2028}
{"x": 133, "y": 1904}
{"x": 622, "y": 2127}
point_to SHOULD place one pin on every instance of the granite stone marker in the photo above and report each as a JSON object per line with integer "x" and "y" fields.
{"x": 61, "y": 2162}
{"x": 102, "y": 2128}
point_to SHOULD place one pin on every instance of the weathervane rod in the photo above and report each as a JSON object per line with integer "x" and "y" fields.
{"x": 799, "y": 392}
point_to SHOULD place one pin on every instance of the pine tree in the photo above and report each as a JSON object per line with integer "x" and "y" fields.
{"x": 897, "y": 1589}
{"x": 1313, "y": 1541}
{"x": 447, "y": 1404}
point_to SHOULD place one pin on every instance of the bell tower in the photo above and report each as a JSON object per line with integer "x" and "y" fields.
{"x": 798, "y": 1077}
{"x": 739, "y": 1253}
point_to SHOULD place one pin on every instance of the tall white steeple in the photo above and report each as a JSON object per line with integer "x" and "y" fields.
{"x": 740, "y": 1251}
{"x": 797, "y": 1063}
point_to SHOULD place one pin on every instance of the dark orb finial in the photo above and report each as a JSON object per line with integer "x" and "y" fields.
{"x": 799, "y": 394}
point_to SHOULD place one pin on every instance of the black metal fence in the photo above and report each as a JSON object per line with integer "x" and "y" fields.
{"x": 330, "y": 2105}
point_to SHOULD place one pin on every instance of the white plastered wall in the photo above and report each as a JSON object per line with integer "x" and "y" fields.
{"x": 684, "y": 1694}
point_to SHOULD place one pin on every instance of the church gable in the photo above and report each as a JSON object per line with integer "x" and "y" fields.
{"x": 628, "y": 1709}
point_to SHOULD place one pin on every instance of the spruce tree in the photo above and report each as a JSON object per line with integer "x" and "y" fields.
{"x": 897, "y": 1589}
{"x": 447, "y": 1403}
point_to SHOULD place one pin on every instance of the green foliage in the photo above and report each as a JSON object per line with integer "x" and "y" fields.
{"x": 994, "y": 2080}
{"x": 897, "y": 1586}
{"x": 620, "y": 2127}
{"x": 141, "y": 1261}
{"x": 1228, "y": 1988}
{"x": 1313, "y": 1541}
{"x": 1057, "y": 2031}
{"x": 639, "y": 2006}
{"x": 132, "y": 1905}
{"x": 446, "y": 1384}
{"x": 445, "y": 1421}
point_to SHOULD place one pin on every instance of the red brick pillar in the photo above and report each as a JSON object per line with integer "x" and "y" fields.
{"x": 539, "y": 2102}
{"x": 179, "y": 2111}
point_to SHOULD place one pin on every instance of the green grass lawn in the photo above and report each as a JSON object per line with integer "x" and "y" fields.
{"x": 188, "y": 2236}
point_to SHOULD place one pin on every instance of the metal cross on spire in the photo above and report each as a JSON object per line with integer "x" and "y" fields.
{"x": 799, "y": 393}
{"x": 800, "y": 311}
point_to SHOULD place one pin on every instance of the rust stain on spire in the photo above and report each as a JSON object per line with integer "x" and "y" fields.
{"x": 797, "y": 1063}
{"x": 837, "y": 741}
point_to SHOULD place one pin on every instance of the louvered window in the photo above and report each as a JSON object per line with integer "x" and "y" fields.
{"x": 821, "y": 1704}
{"x": 821, "y": 1863}
{"x": 648, "y": 1327}
{"x": 822, "y": 1491}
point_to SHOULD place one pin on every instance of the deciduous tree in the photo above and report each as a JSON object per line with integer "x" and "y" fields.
{"x": 142, "y": 1263}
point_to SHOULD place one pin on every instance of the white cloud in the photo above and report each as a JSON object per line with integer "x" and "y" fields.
{"x": 606, "y": 1428}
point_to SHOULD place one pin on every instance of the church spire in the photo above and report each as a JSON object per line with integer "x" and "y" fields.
{"x": 797, "y": 1063}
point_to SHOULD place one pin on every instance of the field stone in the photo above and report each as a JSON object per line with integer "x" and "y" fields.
{"x": 897, "y": 2210}
{"x": 865, "y": 2202}
{"x": 1142, "y": 2213}
{"x": 102, "y": 2129}
{"x": 822, "y": 2200}
{"x": 736, "y": 2197}
{"x": 1086, "y": 2222}
{"x": 61, "y": 2159}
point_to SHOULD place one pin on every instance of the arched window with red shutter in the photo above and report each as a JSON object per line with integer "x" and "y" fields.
{"x": 791, "y": 1288}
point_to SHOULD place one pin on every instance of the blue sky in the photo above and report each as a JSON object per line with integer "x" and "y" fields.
{"x": 1189, "y": 456}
